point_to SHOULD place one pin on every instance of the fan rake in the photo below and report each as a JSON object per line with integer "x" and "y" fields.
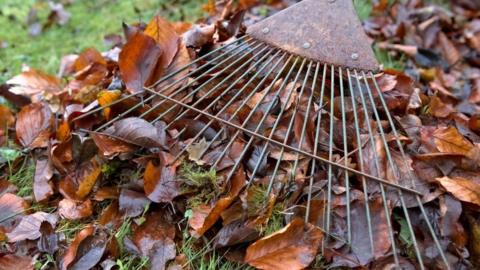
{"x": 302, "y": 86}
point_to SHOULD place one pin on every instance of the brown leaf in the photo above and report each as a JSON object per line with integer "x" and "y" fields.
{"x": 137, "y": 131}
{"x": 111, "y": 147}
{"x": 72, "y": 249}
{"x": 449, "y": 50}
{"x": 157, "y": 227}
{"x": 49, "y": 239}
{"x": 15, "y": 262}
{"x": 198, "y": 36}
{"x": 90, "y": 251}
{"x": 33, "y": 82}
{"x": 160, "y": 183}
{"x": 29, "y": 226}
{"x": 78, "y": 184}
{"x": 293, "y": 247}
{"x": 42, "y": 188}
{"x": 88, "y": 57}
{"x": 34, "y": 125}
{"x": 204, "y": 216}
{"x": 137, "y": 61}
{"x": 11, "y": 207}
{"x": 167, "y": 39}
{"x": 132, "y": 203}
{"x": 463, "y": 189}
{"x": 72, "y": 210}
{"x": 449, "y": 140}
{"x": 6, "y": 117}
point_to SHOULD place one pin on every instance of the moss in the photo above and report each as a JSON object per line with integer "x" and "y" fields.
{"x": 90, "y": 21}
{"x": 201, "y": 181}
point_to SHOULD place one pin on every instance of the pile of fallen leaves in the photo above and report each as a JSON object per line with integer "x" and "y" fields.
{"x": 129, "y": 192}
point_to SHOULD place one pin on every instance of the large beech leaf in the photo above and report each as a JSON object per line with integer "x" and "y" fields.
{"x": 34, "y": 125}
{"x": 29, "y": 226}
{"x": 33, "y": 82}
{"x": 293, "y": 247}
{"x": 137, "y": 131}
{"x": 137, "y": 61}
{"x": 463, "y": 189}
{"x": 42, "y": 188}
{"x": 167, "y": 39}
{"x": 449, "y": 140}
{"x": 159, "y": 182}
{"x": 69, "y": 256}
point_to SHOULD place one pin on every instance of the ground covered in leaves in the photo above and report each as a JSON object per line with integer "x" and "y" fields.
{"x": 141, "y": 193}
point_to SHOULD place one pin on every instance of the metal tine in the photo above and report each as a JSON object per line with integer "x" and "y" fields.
{"x": 231, "y": 101}
{"x": 264, "y": 117}
{"x": 197, "y": 89}
{"x": 345, "y": 151}
{"x": 243, "y": 39}
{"x": 402, "y": 201}
{"x": 330, "y": 153}
{"x": 402, "y": 152}
{"x": 287, "y": 136}
{"x": 140, "y": 104}
{"x": 288, "y": 147}
{"x": 364, "y": 183}
{"x": 166, "y": 77}
{"x": 317, "y": 136}
{"x": 223, "y": 82}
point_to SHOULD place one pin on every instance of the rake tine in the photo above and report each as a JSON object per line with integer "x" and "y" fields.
{"x": 166, "y": 77}
{"x": 254, "y": 109}
{"x": 345, "y": 151}
{"x": 211, "y": 91}
{"x": 288, "y": 147}
{"x": 360, "y": 154}
{"x": 228, "y": 103}
{"x": 411, "y": 176}
{"x": 206, "y": 83}
{"x": 239, "y": 40}
{"x": 405, "y": 210}
{"x": 285, "y": 141}
{"x": 174, "y": 83}
{"x": 317, "y": 136}
{"x": 264, "y": 117}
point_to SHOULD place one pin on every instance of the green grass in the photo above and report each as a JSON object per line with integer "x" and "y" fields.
{"x": 90, "y": 21}
{"x": 22, "y": 177}
{"x": 70, "y": 228}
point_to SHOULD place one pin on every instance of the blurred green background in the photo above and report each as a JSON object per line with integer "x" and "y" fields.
{"x": 89, "y": 22}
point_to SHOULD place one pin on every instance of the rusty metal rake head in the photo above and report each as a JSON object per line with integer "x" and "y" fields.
{"x": 300, "y": 88}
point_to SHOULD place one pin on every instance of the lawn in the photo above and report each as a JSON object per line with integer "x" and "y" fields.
{"x": 89, "y": 22}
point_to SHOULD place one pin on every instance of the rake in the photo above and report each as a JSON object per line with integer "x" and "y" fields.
{"x": 310, "y": 65}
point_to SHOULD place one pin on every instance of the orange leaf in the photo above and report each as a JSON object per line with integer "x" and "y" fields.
{"x": 6, "y": 117}
{"x": 72, "y": 250}
{"x": 463, "y": 189}
{"x": 167, "y": 39}
{"x": 137, "y": 61}
{"x": 449, "y": 140}
{"x": 34, "y": 124}
{"x": 293, "y": 247}
{"x": 87, "y": 57}
{"x": 159, "y": 182}
{"x": 63, "y": 131}
{"x": 33, "y": 82}
{"x": 105, "y": 98}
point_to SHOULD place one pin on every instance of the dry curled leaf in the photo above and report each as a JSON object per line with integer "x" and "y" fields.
{"x": 72, "y": 210}
{"x": 463, "y": 189}
{"x": 34, "y": 125}
{"x": 293, "y": 247}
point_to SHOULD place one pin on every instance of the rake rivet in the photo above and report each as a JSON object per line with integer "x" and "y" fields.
{"x": 307, "y": 45}
{"x": 265, "y": 30}
{"x": 354, "y": 56}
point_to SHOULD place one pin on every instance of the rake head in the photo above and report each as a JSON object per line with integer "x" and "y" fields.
{"x": 296, "y": 104}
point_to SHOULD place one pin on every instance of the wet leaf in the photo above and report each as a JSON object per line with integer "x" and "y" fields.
{"x": 463, "y": 189}
{"x": 132, "y": 203}
{"x": 160, "y": 184}
{"x": 49, "y": 239}
{"x": 89, "y": 252}
{"x": 34, "y": 125}
{"x": 293, "y": 247}
{"x": 137, "y": 131}
{"x": 137, "y": 61}
{"x": 72, "y": 210}
{"x": 111, "y": 147}
{"x": 42, "y": 187}
{"x": 74, "y": 246}
{"x": 15, "y": 262}
{"x": 11, "y": 207}
{"x": 33, "y": 82}
{"x": 29, "y": 226}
